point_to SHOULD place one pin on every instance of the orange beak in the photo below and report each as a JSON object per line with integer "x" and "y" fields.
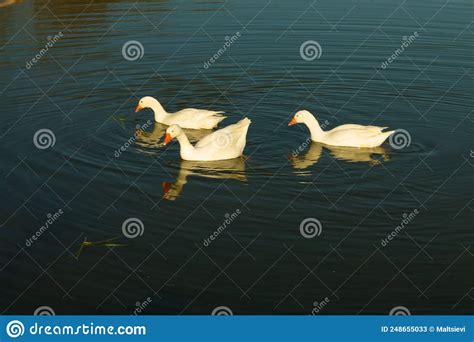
{"x": 167, "y": 139}
{"x": 292, "y": 122}
{"x": 138, "y": 108}
{"x": 166, "y": 187}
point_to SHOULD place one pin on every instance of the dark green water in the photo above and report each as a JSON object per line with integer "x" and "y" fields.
{"x": 85, "y": 92}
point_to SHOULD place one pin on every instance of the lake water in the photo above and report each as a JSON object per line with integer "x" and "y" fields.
{"x": 69, "y": 155}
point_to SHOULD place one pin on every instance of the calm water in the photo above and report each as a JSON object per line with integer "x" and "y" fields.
{"x": 85, "y": 92}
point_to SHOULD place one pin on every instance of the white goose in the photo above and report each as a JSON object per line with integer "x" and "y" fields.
{"x": 186, "y": 118}
{"x": 345, "y": 135}
{"x": 225, "y": 143}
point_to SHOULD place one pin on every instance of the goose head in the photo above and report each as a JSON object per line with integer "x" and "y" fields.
{"x": 146, "y": 102}
{"x": 302, "y": 116}
{"x": 172, "y": 132}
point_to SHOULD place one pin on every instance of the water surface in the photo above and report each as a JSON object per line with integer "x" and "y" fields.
{"x": 100, "y": 174}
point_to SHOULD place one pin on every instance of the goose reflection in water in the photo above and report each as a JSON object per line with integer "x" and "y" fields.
{"x": 222, "y": 169}
{"x": 5, "y": 3}
{"x": 155, "y": 137}
{"x": 372, "y": 156}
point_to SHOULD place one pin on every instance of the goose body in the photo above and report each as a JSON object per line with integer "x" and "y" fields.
{"x": 349, "y": 135}
{"x": 226, "y": 143}
{"x": 191, "y": 118}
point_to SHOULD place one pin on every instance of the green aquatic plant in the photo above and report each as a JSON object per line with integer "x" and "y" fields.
{"x": 102, "y": 243}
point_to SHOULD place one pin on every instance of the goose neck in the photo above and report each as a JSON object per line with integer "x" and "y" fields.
{"x": 159, "y": 111}
{"x": 316, "y": 132}
{"x": 185, "y": 145}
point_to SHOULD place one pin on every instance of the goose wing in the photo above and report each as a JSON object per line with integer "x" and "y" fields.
{"x": 227, "y": 137}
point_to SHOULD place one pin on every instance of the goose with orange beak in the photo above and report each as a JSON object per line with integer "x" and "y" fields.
{"x": 186, "y": 118}
{"x": 349, "y": 135}
{"x": 226, "y": 143}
